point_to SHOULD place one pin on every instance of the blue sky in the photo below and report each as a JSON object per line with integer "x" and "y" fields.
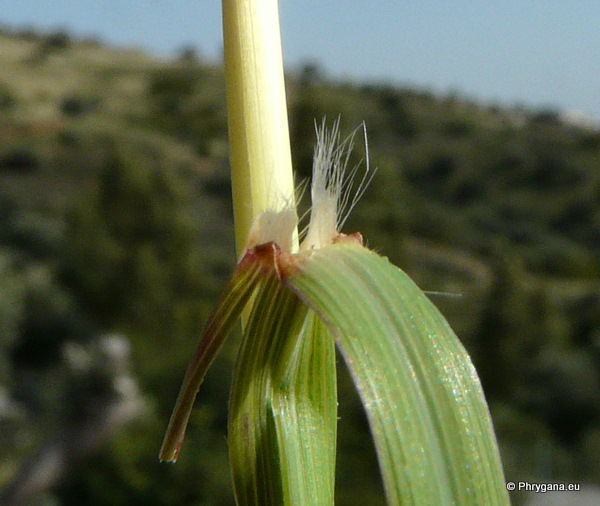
{"x": 532, "y": 52}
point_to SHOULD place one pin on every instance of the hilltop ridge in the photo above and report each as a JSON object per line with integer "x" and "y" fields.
{"x": 115, "y": 215}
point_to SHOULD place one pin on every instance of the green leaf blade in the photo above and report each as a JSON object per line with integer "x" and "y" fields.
{"x": 429, "y": 419}
{"x": 283, "y": 412}
{"x": 236, "y": 294}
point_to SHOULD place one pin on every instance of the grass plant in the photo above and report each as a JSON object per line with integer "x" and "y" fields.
{"x": 428, "y": 416}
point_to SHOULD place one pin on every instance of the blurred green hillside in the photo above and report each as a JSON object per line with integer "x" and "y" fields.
{"x": 116, "y": 237}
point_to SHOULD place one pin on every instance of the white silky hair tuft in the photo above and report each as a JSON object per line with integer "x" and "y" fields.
{"x": 333, "y": 192}
{"x": 275, "y": 226}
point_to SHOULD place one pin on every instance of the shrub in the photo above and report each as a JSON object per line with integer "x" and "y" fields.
{"x": 77, "y": 106}
{"x": 57, "y": 40}
{"x": 19, "y": 160}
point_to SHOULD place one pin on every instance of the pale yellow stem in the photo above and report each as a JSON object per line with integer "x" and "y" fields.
{"x": 261, "y": 165}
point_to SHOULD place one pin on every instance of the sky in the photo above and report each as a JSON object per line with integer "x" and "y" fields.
{"x": 535, "y": 53}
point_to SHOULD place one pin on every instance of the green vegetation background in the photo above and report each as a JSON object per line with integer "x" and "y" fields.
{"x": 116, "y": 238}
